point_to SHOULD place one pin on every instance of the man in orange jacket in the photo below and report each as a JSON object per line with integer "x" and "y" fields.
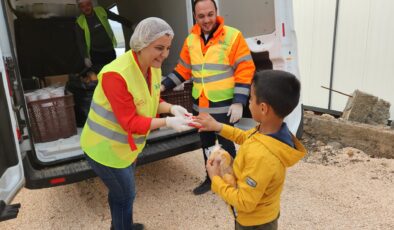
{"x": 217, "y": 60}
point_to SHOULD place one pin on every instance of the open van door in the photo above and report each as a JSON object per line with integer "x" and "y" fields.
{"x": 268, "y": 27}
{"x": 11, "y": 168}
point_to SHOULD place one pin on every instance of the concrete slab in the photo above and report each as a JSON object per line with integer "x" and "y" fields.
{"x": 366, "y": 108}
{"x": 375, "y": 140}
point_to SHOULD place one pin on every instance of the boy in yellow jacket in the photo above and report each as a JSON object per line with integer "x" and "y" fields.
{"x": 264, "y": 154}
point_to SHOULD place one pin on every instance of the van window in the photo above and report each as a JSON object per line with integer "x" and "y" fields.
{"x": 118, "y": 32}
{"x": 252, "y": 17}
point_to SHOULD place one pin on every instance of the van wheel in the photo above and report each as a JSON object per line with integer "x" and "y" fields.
{"x": 300, "y": 129}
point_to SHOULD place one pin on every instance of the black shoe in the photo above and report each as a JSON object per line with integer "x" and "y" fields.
{"x": 203, "y": 187}
{"x": 137, "y": 226}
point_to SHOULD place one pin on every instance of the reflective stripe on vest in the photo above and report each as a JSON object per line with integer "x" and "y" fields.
{"x": 108, "y": 132}
{"x": 214, "y": 110}
{"x": 187, "y": 66}
{"x": 242, "y": 90}
{"x": 102, "y": 138}
{"x": 213, "y": 78}
{"x": 103, "y": 17}
{"x": 174, "y": 78}
{"x": 242, "y": 59}
{"x": 210, "y": 66}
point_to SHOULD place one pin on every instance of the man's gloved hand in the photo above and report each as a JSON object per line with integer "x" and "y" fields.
{"x": 88, "y": 62}
{"x": 179, "y": 111}
{"x": 162, "y": 88}
{"x": 235, "y": 111}
{"x": 179, "y": 124}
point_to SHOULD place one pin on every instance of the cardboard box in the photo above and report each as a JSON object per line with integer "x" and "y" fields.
{"x": 59, "y": 80}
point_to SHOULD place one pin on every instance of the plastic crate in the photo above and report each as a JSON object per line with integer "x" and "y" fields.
{"x": 181, "y": 97}
{"x": 52, "y": 118}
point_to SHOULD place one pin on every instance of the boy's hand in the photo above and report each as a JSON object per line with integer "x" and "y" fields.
{"x": 208, "y": 123}
{"x": 213, "y": 168}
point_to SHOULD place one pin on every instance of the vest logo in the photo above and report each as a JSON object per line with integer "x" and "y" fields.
{"x": 140, "y": 102}
{"x": 157, "y": 86}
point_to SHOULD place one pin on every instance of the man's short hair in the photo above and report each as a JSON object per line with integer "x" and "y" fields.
{"x": 81, "y": 1}
{"x": 197, "y": 1}
{"x": 279, "y": 89}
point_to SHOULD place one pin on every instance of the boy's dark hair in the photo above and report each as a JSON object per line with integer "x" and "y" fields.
{"x": 279, "y": 89}
{"x": 197, "y": 1}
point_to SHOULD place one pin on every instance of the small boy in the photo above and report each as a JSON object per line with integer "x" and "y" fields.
{"x": 264, "y": 154}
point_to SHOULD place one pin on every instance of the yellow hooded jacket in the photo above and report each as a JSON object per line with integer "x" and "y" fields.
{"x": 260, "y": 170}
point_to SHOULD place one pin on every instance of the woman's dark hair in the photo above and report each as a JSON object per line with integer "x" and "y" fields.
{"x": 197, "y": 1}
{"x": 279, "y": 89}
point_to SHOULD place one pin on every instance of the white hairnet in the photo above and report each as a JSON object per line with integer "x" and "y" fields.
{"x": 147, "y": 31}
{"x": 81, "y": 1}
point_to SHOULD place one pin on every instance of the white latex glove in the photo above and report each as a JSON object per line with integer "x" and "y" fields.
{"x": 235, "y": 111}
{"x": 179, "y": 111}
{"x": 162, "y": 88}
{"x": 179, "y": 124}
{"x": 88, "y": 62}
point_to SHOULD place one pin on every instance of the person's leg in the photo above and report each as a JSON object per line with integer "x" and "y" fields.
{"x": 225, "y": 143}
{"x": 208, "y": 140}
{"x": 121, "y": 192}
{"x": 273, "y": 225}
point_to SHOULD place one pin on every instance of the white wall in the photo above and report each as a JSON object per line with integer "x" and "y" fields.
{"x": 364, "y": 49}
{"x": 314, "y": 25}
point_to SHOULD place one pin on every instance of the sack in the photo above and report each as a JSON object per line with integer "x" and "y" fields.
{"x": 226, "y": 164}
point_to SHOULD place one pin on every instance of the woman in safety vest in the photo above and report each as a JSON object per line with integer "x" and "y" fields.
{"x": 122, "y": 113}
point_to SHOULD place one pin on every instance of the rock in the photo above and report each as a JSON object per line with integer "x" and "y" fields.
{"x": 366, "y": 108}
{"x": 309, "y": 112}
{"x": 327, "y": 116}
{"x": 349, "y": 152}
{"x": 335, "y": 145}
{"x": 320, "y": 143}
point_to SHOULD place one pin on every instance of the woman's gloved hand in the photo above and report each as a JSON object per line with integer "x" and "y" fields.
{"x": 179, "y": 124}
{"x": 179, "y": 111}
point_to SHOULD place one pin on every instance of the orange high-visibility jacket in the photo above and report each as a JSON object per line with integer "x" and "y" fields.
{"x": 239, "y": 59}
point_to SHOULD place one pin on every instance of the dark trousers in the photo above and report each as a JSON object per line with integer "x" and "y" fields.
{"x": 208, "y": 139}
{"x": 121, "y": 192}
{"x": 100, "y": 59}
{"x": 273, "y": 225}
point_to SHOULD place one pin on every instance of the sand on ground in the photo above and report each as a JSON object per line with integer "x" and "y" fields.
{"x": 331, "y": 188}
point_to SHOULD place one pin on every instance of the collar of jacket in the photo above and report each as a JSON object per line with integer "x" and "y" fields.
{"x": 285, "y": 153}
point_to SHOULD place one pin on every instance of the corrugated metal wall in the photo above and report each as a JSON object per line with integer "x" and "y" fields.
{"x": 364, "y": 49}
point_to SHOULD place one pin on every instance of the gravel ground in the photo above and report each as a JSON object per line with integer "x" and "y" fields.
{"x": 332, "y": 188}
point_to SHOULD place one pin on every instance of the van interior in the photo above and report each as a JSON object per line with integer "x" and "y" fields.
{"x": 43, "y": 38}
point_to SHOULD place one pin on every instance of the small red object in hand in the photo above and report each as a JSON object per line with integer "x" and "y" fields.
{"x": 195, "y": 125}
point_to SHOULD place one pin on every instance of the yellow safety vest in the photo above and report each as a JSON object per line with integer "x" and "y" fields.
{"x": 212, "y": 72}
{"x": 103, "y": 17}
{"x": 102, "y": 138}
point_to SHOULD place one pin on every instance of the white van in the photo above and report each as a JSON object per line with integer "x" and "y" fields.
{"x": 37, "y": 39}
